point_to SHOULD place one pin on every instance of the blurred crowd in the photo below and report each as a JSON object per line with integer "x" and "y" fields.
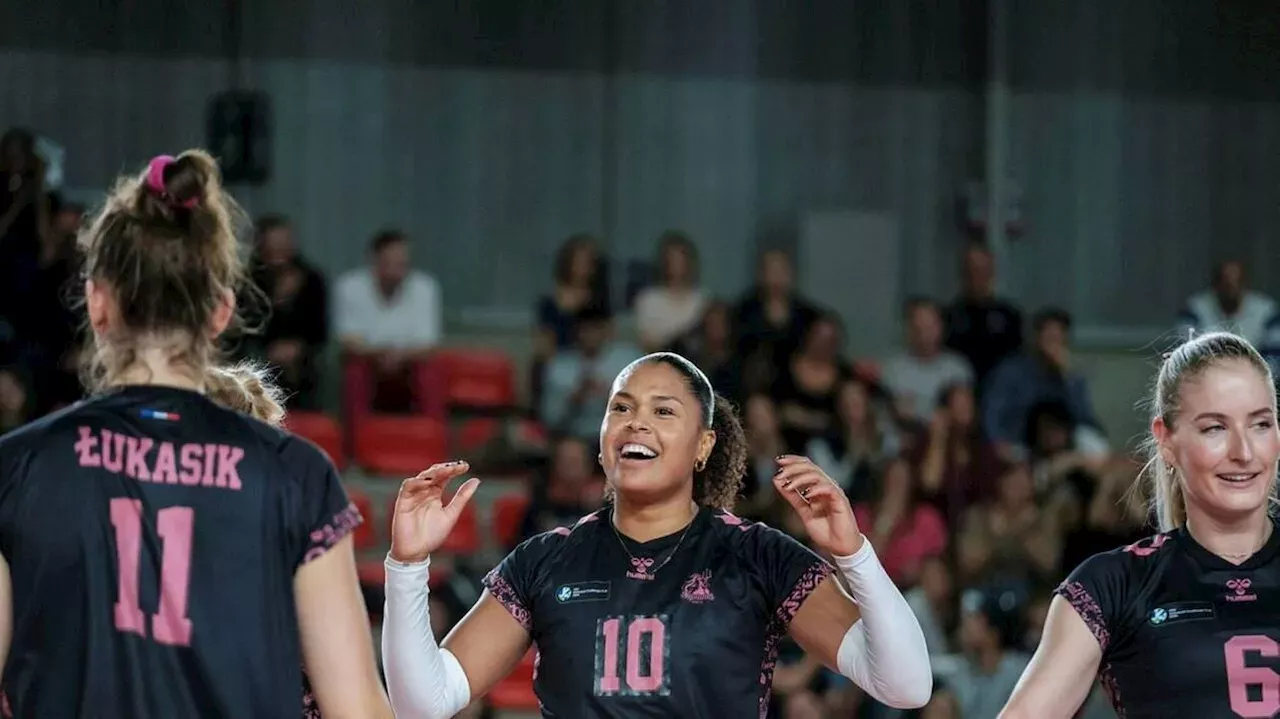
{"x": 971, "y": 453}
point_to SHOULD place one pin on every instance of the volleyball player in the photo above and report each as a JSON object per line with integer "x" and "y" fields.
{"x": 1185, "y": 623}
{"x": 164, "y": 556}
{"x": 663, "y": 603}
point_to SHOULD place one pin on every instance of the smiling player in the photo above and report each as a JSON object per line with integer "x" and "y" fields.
{"x": 1186, "y": 623}
{"x": 663, "y": 603}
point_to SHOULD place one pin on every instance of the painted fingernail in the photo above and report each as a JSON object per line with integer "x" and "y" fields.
{"x": 777, "y": 471}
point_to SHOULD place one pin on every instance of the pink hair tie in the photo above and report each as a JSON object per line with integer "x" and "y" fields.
{"x": 155, "y": 181}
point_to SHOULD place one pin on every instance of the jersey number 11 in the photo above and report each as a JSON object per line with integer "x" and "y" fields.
{"x": 169, "y": 625}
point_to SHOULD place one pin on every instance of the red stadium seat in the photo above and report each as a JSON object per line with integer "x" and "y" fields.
{"x": 321, "y": 429}
{"x": 398, "y": 445}
{"x": 515, "y": 692}
{"x": 365, "y": 535}
{"x": 477, "y": 378}
{"x": 371, "y": 572}
{"x": 476, "y": 432}
{"x": 508, "y": 515}
{"x": 465, "y": 537}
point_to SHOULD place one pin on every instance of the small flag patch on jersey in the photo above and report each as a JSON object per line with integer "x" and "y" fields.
{"x": 157, "y": 414}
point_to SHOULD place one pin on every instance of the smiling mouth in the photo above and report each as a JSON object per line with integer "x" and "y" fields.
{"x": 1239, "y": 478}
{"x": 636, "y": 452}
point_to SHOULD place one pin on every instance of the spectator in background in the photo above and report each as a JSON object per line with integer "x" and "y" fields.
{"x": 668, "y": 310}
{"x": 15, "y": 399}
{"x": 856, "y": 444}
{"x": 297, "y": 329}
{"x": 980, "y": 325}
{"x": 959, "y": 466}
{"x": 577, "y": 380}
{"x": 24, "y": 217}
{"x": 391, "y": 314}
{"x": 566, "y": 493}
{"x": 916, "y": 378}
{"x": 764, "y": 442}
{"x": 1228, "y": 305}
{"x": 808, "y": 384}
{"x": 1043, "y": 374}
{"x": 990, "y": 626}
{"x": 904, "y": 530}
{"x": 711, "y": 346}
{"x": 1011, "y": 537}
{"x": 47, "y": 323}
{"x": 581, "y": 281}
{"x": 932, "y": 600}
{"x": 772, "y": 318}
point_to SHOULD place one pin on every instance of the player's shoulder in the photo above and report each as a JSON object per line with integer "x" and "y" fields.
{"x": 749, "y": 537}
{"x": 1128, "y": 564}
{"x": 559, "y": 539}
{"x": 30, "y": 437}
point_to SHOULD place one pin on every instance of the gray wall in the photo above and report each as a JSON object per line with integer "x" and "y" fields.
{"x": 490, "y": 130}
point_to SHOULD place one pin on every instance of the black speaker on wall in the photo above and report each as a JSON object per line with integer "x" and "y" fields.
{"x": 239, "y": 128}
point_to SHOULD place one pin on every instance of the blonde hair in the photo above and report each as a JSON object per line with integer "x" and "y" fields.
{"x": 246, "y": 387}
{"x": 165, "y": 245}
{"x": 1165, "y": 493}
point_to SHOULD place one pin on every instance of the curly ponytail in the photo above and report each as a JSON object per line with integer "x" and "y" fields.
{"x": 720, "y": 481}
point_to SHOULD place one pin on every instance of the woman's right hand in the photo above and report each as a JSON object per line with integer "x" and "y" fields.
{"x": 421, "y": 520}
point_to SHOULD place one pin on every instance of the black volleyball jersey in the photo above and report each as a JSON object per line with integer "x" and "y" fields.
{"x": 1184, "y": 633}
{"x": 619, "y": 633}
{"x": 152, "y": 538}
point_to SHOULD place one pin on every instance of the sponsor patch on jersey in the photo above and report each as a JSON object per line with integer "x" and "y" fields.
{"x": 583, "y": 592}
{"x": 1180, "y": 612}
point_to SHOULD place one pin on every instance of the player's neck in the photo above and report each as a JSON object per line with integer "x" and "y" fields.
{"x": 1234, "y": 541}
{"x": 645, "y": 522}
{"x": 153, "y": 367}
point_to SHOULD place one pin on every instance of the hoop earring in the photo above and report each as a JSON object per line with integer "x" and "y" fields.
{"x": 699, "y": 465}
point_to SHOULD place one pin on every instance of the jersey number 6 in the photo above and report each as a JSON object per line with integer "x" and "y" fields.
{"x": 1240, "y": 677}
{"x": 643, "y": 666}
{"x": 169, "y": 625}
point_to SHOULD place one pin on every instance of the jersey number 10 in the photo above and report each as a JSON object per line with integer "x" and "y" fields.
{"x": 631, "y": 656}
{"x": 169, "y": 625}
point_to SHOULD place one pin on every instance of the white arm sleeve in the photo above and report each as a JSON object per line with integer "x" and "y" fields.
{"x": 884, "y": 652}
{"x": 423, "y": 680}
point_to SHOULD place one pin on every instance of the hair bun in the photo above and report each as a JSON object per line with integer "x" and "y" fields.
{"x": 186, "y": 181}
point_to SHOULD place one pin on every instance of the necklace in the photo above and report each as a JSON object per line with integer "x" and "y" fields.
{"x": 642, "y": 567}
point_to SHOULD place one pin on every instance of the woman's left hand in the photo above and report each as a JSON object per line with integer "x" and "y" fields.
{"x": 821, "y": 504}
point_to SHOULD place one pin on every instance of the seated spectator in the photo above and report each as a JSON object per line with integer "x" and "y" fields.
{"x": 932, "y": 600}
{"x": 392, "y": 315}
{"x": 15, "y": 399}
{"x": 24, "y": 217}
{"x": 1044, "y": 374}
{"x": 770, "y": 321}
{"x": 567, "y": 492}
{"x": 581, "y": 280}
{"x": 860, "y": 441}
{"x": 990, "y": 629}
{"x": 809, "y": 382}
{"x": 916, "y": 378}
{"x": 47, "y": 323}
{"x": 297, "y": 327}
{"x": 982, "y": 327}
{"x": 1011, "y": 537}
{"x": 577, "y": 380}
{"x": 670, "y": 308}
{"x": 711, "y": 346}
{"x": 959, "y": 466}
{"x": 764, "y": 442}
{"x": 1229, "y": 305}
{"x": 904, "y": 530}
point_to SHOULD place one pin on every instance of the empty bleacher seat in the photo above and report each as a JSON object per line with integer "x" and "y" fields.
{"x": 508, "y": 515}
{"x": 477, "y": 378}
{"x": 399, "y": 445}
{"x": 322, "y": 429}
